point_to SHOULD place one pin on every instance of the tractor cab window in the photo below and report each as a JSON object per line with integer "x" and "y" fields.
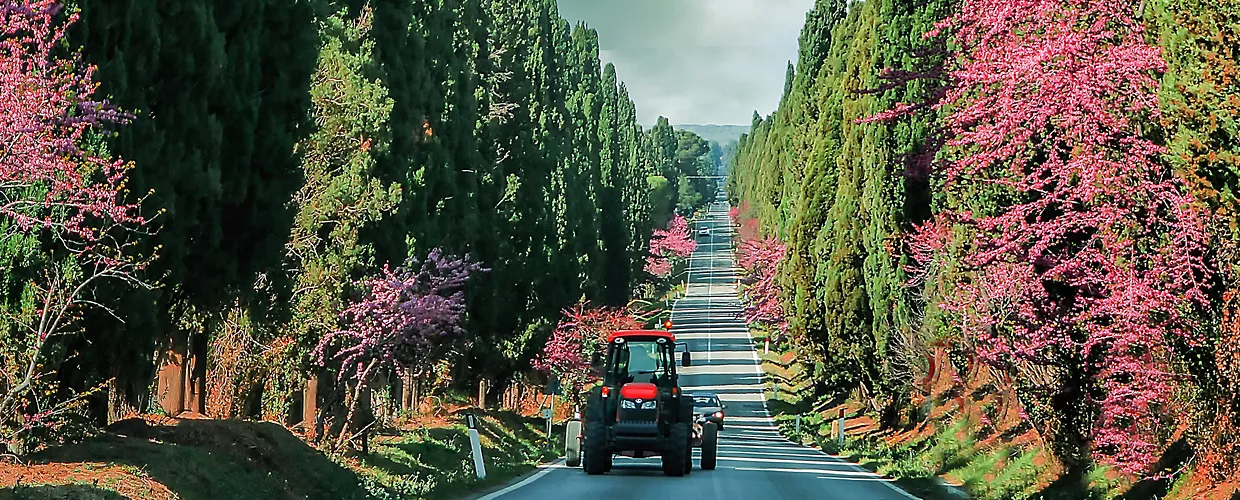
{"x": 641, "y": 361}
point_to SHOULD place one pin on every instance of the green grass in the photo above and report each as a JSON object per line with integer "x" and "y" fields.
{"x": 436, "y": 463}
{"x": 999, "y": 473}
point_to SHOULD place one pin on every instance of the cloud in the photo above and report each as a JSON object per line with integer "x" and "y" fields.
{"x": 697, "y": 61}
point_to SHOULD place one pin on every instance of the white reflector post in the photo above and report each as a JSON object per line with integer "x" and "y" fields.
{"x": 840, "y": 426}
{"x": 475, "y": 444}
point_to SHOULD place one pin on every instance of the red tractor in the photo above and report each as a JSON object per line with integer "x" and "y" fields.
{"x": 640, "y": 410}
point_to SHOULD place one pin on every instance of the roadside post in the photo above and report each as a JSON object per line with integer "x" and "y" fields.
{"x": 475, "y": 445}
{"x": 840, "y": 425}
{"x": 797, "y": 433}
{"x": 552, "y": 390}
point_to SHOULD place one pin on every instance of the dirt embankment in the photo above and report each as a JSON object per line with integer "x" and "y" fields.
{"x": 425, "y": 455}
{"x": 158, "y": 458}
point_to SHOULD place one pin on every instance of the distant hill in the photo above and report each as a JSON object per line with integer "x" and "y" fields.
{"x": 722, "y": 134}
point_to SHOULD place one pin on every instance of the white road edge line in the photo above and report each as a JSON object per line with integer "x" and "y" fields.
{"x": 546, "y": 468}
{"x": 854, "y": 466}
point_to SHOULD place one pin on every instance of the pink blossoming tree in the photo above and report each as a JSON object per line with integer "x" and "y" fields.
{"x": 407, "y": 317}
{"x": 58, "y": 195}
{"x": 666, "y": 244}
{"x": 1083, "y": 283}
{"x": 759, "y": 258}
{"x": 578, "y": 337}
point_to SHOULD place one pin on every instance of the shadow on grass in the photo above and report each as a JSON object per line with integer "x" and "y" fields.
{"x": 1071, "y": 485}
{"x": 431, "y": 455}
{"x": 512, "y": 446}
{"x": 60, "y": 492}
{"x": 1173, "y": 459}
{"x": 213, "y": 460}
{"x": 927, "y": 487}
{"x": 782, "y": 407}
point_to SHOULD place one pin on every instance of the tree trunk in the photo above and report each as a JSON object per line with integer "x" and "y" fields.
{"x": 116, "y": 401}
{"x": 407, "y": 396}
{"x": 359, "y": 391}
{"x": 310, "y": 407}
{"x": 170, "y": 387}
{"x": 196, "y": 375}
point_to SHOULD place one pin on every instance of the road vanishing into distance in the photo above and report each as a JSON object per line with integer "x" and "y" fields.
{"x": 755, "y": 461}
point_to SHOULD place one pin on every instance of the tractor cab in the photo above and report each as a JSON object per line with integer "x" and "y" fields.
{"x": 642, "y": 357}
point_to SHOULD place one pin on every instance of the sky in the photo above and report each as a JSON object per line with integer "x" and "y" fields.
{"x": 697, "y": 61}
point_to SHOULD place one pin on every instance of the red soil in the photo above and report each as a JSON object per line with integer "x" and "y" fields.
{"x": 124, "y": 481}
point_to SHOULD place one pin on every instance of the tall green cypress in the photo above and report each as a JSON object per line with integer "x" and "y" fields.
{"x": 220, "y": 91}
{"x": 835, "y": 189}
{"x": 340, "y": 197}
{"x": 789, "y": 75}
{"x": 615, "y": 230}
{"x": 660, "y": 157}
{"x": 637, "y": 197}
{"x": 847, "y": 307}
{"x": 804, "y": 270}
{"x": 897, "y": 193}
{"x": 475, "y": 126}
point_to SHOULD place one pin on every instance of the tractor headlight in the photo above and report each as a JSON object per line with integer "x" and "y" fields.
{"x": 627, "y": 404}
{"x": 649, "y": 405}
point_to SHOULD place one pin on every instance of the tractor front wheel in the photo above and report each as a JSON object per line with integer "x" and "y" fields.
{"x": 572, "y": 444}
{"x": 677, "y": 447}
{"x": 598, "y": 457}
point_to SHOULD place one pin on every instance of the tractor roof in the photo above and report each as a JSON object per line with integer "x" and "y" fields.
{"x": 628, "y": 334}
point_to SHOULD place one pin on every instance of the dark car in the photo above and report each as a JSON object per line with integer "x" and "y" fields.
{"x": 708, "y": 405}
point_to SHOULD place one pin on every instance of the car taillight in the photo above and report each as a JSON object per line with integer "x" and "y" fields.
{"x": 718, "y": 414}
{"x": 606, "y": 391}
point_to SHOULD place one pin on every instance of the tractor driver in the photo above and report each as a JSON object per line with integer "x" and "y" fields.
{"x": 638, "y": 359}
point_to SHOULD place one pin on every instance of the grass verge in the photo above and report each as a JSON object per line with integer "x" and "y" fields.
{"x": 435, "y": 462}
{"x": 213, "y": 460}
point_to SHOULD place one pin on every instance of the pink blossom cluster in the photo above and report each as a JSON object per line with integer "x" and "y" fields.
{"x": 1095, "y": 262}
{"x": 658, "y": 266}
{"x": 576, "y": 339}
{"x": 406, "y": 317}
{"x": 665, "y": 244}
{"x": 760, "y": 258}
{"x": 47, "y": 180}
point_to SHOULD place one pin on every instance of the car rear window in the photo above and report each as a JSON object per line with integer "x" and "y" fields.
{"x": 705, "y": 401}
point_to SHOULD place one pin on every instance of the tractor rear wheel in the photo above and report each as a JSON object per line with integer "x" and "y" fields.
{"x": 598, "y": 457}
{"x": 677, "y": 448}
{"x": 710, "y": 445}
{"x": 572, "y": 444}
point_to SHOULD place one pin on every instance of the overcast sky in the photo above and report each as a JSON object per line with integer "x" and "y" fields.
{"x": 697, "y": 61}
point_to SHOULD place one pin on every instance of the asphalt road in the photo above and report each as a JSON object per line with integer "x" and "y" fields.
{"x": 755, "y": 462}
